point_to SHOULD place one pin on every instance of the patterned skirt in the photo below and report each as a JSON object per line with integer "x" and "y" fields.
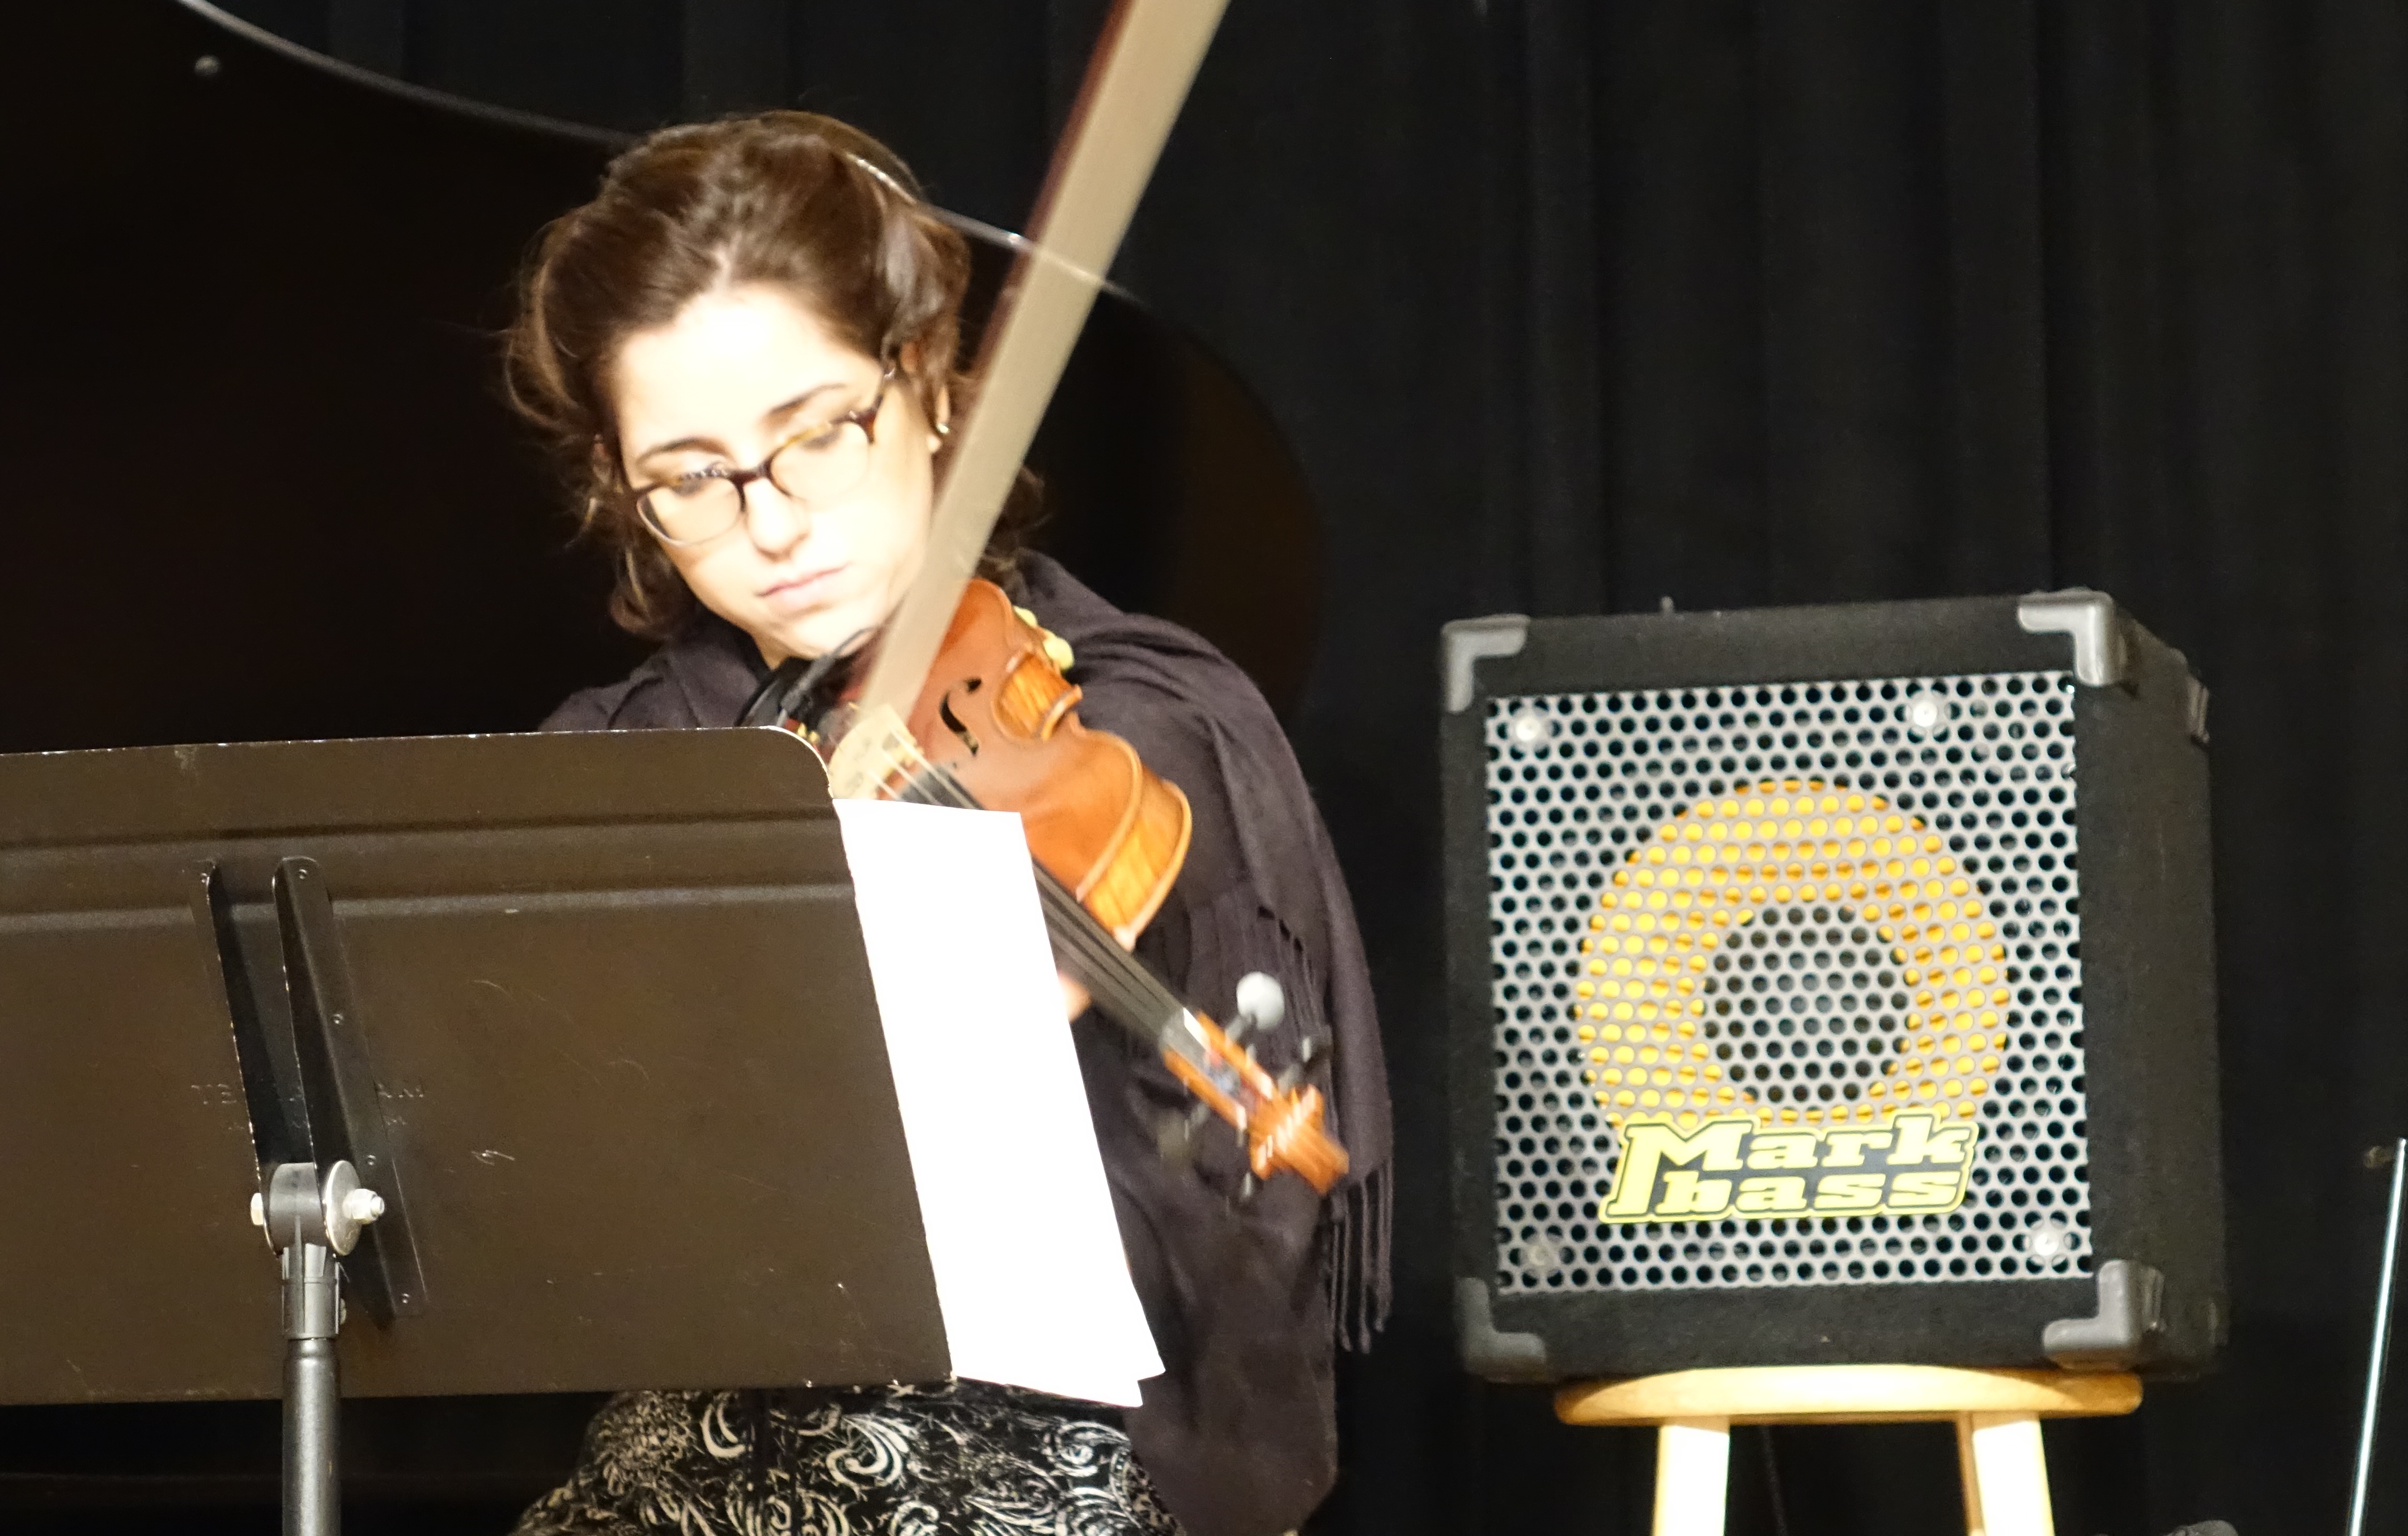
{"x": 965, "y": 1460}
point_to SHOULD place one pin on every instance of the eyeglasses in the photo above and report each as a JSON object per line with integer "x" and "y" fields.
{"x": 823, "y": 463}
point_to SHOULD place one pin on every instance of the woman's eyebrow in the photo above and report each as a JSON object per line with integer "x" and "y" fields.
{"x": 712, "y": 445}
{"x": 801, "y": 400}
{"x": 684, "y": 445}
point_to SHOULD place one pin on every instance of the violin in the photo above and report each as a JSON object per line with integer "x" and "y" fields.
{"x": 995, "y": 728}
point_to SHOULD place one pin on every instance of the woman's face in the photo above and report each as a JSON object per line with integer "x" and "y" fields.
{"x": 737, "y": 374}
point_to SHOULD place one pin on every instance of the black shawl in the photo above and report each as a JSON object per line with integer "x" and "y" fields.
{"x": 1245, "y": 1298}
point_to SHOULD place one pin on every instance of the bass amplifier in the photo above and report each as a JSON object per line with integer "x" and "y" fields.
{"x": 1831, "y": 985}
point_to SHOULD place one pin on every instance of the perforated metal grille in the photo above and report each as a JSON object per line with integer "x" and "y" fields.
{"x": 1812, "y": 904}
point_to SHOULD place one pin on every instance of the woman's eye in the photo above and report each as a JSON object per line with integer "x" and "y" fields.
{"x": 820, "y": 439}
{"x": 697, "y": 483}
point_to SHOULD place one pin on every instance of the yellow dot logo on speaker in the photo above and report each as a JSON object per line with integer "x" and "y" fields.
{"x": 1873, "y": 1105}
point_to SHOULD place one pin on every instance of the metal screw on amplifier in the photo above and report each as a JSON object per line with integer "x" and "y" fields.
{"x": 1528, "y": 727}
{"x": 1926, "y": 712}
{"x": 2048, "y": 1239}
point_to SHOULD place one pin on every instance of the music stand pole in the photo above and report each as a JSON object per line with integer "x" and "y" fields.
{"x": 2379, "y": 1349}
{"x": 311, "y": 1223}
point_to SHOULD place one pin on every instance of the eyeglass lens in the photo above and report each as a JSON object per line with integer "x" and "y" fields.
{"x": 812, "y": 471}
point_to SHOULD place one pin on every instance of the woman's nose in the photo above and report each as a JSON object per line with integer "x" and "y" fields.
{"x": 775, "y": 521}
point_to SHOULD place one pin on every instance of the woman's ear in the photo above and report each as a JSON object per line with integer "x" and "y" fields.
{"x": 941, "y": 408}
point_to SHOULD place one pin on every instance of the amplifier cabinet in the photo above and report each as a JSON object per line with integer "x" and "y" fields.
{"x": 1831, "y": 985}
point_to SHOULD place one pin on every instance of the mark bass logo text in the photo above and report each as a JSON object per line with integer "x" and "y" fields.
{"x": 1914, "y": 1165}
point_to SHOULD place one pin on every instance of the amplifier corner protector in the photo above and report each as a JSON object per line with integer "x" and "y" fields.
{"x": 2131, "y": 1311}
{"x": 1489, "y": 1354}
{"x": 2089, "y": 620}
{"x": 1466, "y": 642}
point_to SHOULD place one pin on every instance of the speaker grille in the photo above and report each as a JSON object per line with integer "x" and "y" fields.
{"x": 1809, "y": 905}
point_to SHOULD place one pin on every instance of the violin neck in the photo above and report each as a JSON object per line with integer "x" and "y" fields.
{"x": 1128, "y": 993}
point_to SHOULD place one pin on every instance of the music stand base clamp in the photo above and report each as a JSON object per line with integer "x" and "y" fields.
{"x": 311, "y": 1223}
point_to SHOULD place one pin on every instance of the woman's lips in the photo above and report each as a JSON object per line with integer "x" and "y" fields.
{"x": 809, "y": 590}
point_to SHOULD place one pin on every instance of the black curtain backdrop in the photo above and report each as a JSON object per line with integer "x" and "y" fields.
{"x": 1570, "y": 305}
{"x": 1795, "y": 303}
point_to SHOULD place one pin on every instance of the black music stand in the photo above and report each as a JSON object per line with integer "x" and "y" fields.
{"x": 589, "y": 1016}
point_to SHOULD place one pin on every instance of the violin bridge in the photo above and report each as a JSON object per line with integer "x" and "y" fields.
{"x": 876, "y": 753}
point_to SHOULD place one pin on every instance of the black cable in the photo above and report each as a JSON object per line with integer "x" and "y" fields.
{"x": 768, "y": 705}
{"x": 781, "y": 694}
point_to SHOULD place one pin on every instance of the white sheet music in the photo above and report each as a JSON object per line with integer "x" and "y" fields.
{"x": 1030, "y": 1273}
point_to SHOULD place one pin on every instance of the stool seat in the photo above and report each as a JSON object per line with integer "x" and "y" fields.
{"x": 1996, "y": 1414}
{"x": 1845, "y": 1393}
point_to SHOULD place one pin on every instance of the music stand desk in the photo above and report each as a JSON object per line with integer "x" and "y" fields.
{"x": 591, "y": 1014}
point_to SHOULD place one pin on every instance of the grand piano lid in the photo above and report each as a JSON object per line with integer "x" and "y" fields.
{"x": 265, "y": 486}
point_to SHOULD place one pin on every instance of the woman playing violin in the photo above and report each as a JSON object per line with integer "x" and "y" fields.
{"x": 745, "y": 350}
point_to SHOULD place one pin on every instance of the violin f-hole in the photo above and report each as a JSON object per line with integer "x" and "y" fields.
{"x": 954, "y": 724}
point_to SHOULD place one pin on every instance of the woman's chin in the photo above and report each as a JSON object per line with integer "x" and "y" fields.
{"x": 817, "y": 634}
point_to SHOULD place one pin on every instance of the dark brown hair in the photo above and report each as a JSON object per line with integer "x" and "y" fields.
{"x": 793, "y": 199}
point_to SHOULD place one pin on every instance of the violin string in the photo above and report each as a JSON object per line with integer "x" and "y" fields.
{"x": 1106, "y": 972}
{"x": 1115, "y": 979}
{"x": 1103, "y": 956}
{"x": 1123, "y": 988}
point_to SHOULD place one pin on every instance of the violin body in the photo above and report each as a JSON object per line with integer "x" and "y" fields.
{"x": 995, "y": 727}
{"x": 997, "y": 711}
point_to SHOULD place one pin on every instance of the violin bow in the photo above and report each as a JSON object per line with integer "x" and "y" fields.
{"x": 1137, "y": 81}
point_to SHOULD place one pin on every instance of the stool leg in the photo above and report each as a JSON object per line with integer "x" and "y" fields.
{"x": 1969, "y": 1476}
{"x": 2006, "y": 1475}
{"x": 1692, "y": 1476}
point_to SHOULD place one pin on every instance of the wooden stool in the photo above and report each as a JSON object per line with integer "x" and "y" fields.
{"x": 1997, "y": 1415}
